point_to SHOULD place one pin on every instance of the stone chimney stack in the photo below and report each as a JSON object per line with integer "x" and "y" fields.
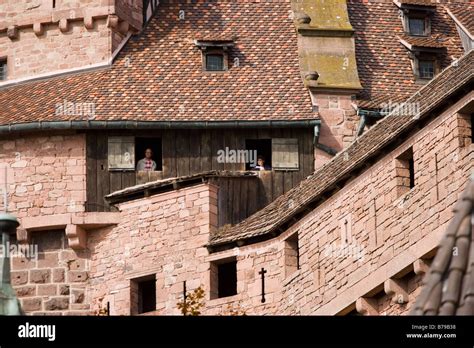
{"x": 329, "y": 70}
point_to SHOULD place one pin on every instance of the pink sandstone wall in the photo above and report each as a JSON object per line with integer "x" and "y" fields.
{"x": 163, "y": 235}
{"x": 339, "y": 122}
{"x": 55, "y": 281}
{"x": 390, "y": 232}
{"x": 388, "y": 228}
{"x": 43, "y": 45}
{"x": 32, "y": 55}
{"x": 46, "y": 174}
{"x": 46, "y": 177}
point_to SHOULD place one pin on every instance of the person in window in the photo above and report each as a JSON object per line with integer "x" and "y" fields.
{"x": 147, "y": 163}
{"x": 261, "y": 164}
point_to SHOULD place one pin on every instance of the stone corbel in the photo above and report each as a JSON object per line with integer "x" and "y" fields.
{"x": 22, "y": 236}
{"x": 367, "y": 306}
{"x": 112, "y": 21}
{"x": 124, "y": 27}
{"x": 63, "y": 25}
{"x": 38, "y": 28}
{"x": 421, "y": 266}
{"x": 77, "y": 237}
{"x": 12, "y": 32}
{"x": 397, "y": 289}
{"x": 89, "y": 22}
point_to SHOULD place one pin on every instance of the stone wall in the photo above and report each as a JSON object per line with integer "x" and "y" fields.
{"x": 50, "y": 278}
{"x": 163, "y": 236}
{"x": 46, "y": 175}
{"x": 339, "y": 122}
{"x": 355, "y": 249}
{"x": 356, "y": 245}
{"x": 33, "y": 54}
{"x": 366, "y": 234}
{"x": 38, "y": 39}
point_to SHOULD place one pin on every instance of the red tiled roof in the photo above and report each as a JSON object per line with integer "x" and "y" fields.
{"x": 464, "y": 13}
{"x": 449, "y": 284}
{"x": 295, "y": 203}
{"x": 158, "y": 75}
{"x": 383, "y": 64}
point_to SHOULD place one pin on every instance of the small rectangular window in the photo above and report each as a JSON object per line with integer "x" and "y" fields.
{"x": 292, "y": 255}
{"x": 223, "y": 278}
{"x": 148, "y": 148}
{"x": 130, "y": 153}
{"x": 262, "y": 148}
{"x": 121, "y": 153}
{"x": 426, "y": 69}
{"x": 214, "y": 62}
{"x": 3, "y": 69}
{"x": 405, "y": 172}
{"x": 285, "y": 154}
{"x": 416, "y": 26}
{"x": 143, "y": 294}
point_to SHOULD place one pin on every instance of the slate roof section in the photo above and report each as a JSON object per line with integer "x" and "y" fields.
{"x": 449, "y": 284}
{"x": 383, "y": 64}
{"x": 158, "y": 75}
{"x": 291, "y": 206}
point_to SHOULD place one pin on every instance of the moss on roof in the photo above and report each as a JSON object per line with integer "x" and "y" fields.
{"x": 335, "y": 70}
{"x": 325, "y": 14}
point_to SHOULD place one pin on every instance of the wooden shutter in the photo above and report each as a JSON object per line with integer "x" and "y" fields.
{"x": 285, "y": 154}
{"x": 121, "y": 153}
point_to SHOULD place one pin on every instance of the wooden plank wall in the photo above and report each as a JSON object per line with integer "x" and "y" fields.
{"x": 192, "y": 151}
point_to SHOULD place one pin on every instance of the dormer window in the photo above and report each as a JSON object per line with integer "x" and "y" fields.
{"x": 214, "y": 62}
{"x": 416, "y": 17}
{"x": 215, "y": 54}
{"x": 426, "y": 69}
{"x": 416, "y": 26}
